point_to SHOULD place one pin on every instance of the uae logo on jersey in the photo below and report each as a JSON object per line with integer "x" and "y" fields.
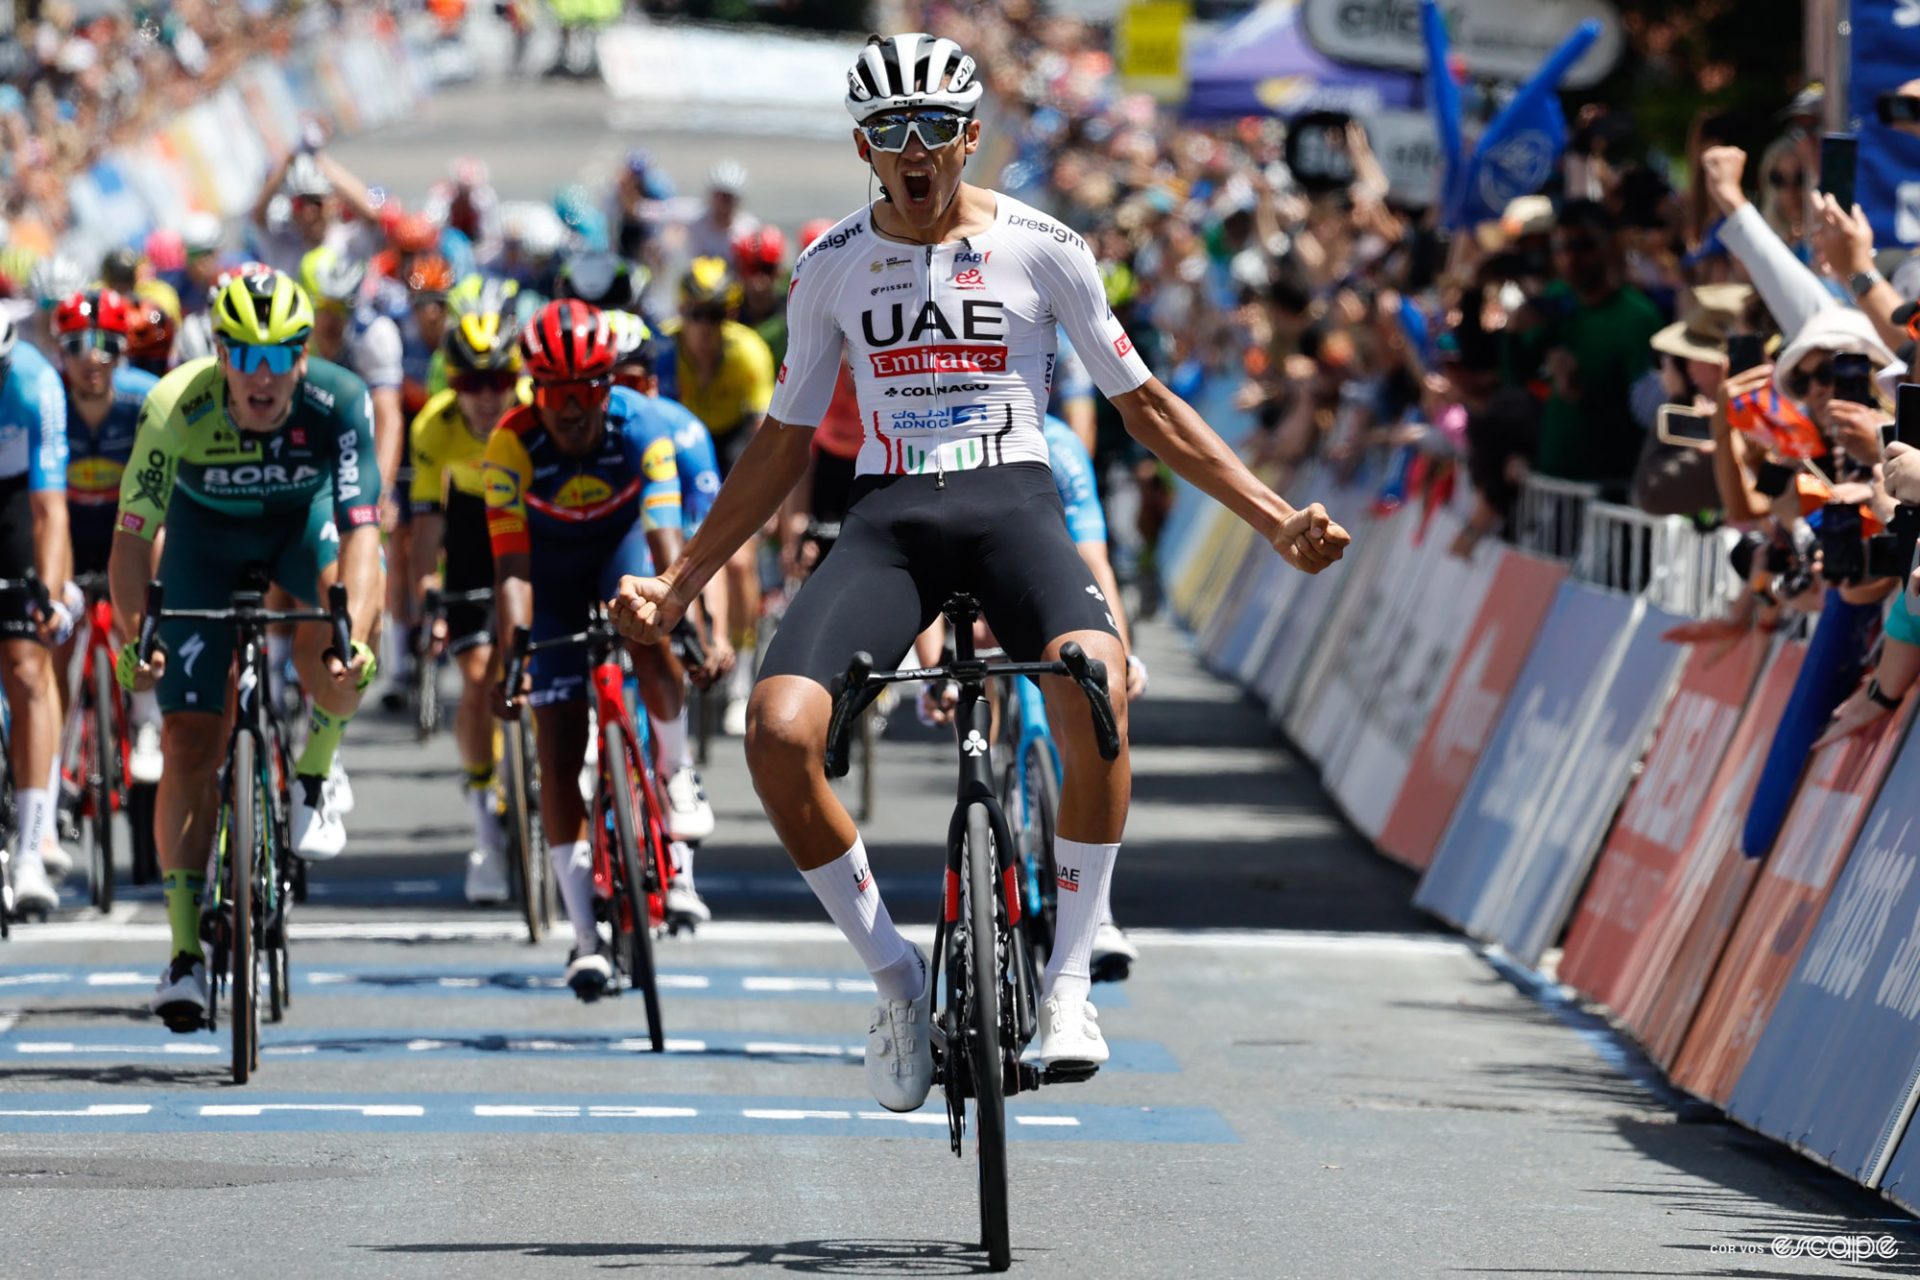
{"x": 783, "y": 374}
{"x": 969, "y": 279}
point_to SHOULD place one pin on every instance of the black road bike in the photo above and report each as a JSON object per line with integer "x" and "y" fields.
{"x": 255, "y": 876}
{"x": 425, "y": 695}
{"x": 990, "y": 1000}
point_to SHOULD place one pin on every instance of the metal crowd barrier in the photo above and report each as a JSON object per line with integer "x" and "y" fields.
{"x": 1665, "y": 558}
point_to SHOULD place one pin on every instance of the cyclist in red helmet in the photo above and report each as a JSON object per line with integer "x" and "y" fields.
{"x": 581, "y": 486}
{"x": 760, "y": 256}
{"x": 150, "y": 336}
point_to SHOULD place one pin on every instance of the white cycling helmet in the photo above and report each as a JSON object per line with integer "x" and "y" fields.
{"x": 201, "y": 232}
{"x": 305, "y": 177}
{"x": 55, "y": 279}
{"x": 729, "y": 176}
{"x": 912, "y": 69}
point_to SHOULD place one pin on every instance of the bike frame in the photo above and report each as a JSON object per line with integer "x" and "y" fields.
{"x": 611, "y": 707}
{"x": 1029, "y": 715}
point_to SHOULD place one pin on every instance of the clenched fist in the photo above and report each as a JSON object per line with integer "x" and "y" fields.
{"x": 644, "y": 609}
{"x": 1309, "y": 540}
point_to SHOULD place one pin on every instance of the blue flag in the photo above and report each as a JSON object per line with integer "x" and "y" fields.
{"x": 1516, "y": 155}
{"x": 1443, "y": 100}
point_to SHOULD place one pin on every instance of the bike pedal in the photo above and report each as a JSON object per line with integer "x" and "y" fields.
{"x": 185, "y": 1026}
{"x": 1069, "y": 1073}
{"x": 1112, "y": 969}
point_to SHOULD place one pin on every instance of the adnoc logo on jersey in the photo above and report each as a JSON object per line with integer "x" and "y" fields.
{"x": 943, "y": 359}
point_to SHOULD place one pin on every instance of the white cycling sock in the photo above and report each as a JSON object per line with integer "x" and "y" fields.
{"x": 573, "y": 869}
{"x": 146, "y": 707}
{"x": 36, "y": 823}
{"x": 671, "y": 735}
{"x": 682, "y": 855}
{"x": 53, "y": 775}
{"x": 847, "y": 890}
{"x": 1085, "y": 871}
{"x": 740, "y": 679}
{"x": 486, "y": 822}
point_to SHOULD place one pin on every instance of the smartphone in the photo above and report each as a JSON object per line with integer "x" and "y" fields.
{"x": 1679, "y": 425}
{"x": 1905, "y": 428}
{"x": 1838, "y": 154}
{"x": 1843, "y": 550}
{"x": 1853, "y": 378}
{"x": 1773, "y": 479}
{"x": 1897, "y": 108}
{"x": 1745, "y": 351}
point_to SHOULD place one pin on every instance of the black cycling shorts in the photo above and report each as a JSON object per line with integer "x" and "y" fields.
{"x": 998, "y": 534}
{"x": 16, "y": 556}
{"x": 832, "y": 487}
{"x": 728, "y": 448}
{"x": 469, "y": 553}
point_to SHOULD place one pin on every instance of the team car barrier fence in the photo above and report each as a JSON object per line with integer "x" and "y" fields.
{"x": 215, "y": 155}
{"x": 1513, "y": 726}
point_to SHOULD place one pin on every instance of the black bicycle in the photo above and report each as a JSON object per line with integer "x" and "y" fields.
{"x": 426, "y": 664}
{"x": 991, "y": 1002}
{"x": 256, "y": 877}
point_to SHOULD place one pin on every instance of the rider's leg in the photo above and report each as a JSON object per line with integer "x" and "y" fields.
{"x": 27, "y": 677}
{"x": 334, "y": 703}
{"x": 473, "y": 718}
{"x": 1093, "y": 811}
{"x": 560, "y": 736}
{"x": 186, "y": 806}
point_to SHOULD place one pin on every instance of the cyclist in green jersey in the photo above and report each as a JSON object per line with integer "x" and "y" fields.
{"x": 258, "y": 460}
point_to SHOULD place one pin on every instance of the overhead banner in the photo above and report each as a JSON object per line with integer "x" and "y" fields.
{"x": 1661, "y": 817}
{"x": 1470, "y": 706}
{"x": 1421, "y": 650}
{"x": 1532, "y": 892}
{"x": 1660, "y": 983}
{"x": 1793, "y": 886}
{"x": 1149, "y": 41}
{"x": 1513, "y": 788}
{"x": 1496, "y": 39}
{"x": 1834, "y": 1073}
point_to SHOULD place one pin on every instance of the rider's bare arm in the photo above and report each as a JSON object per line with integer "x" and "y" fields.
{"x": 1179, "y": 437}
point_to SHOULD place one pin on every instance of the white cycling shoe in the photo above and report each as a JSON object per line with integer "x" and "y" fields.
{"x": 1070, "y": 1033}
{"x": 55, "y": 858}
{"x": 318, "y": 833}
{"x": 32, "y": 891}
{"x": 689, "y": 816}
{"x": 487, "y": 876}
{"x": 684, "y": 903}
{"x": 1113, "y": 955}
{"x": 339, "y": 788}
{"x": 180, "y": 998}
{"x": 144, "y": 762}
{"x": 590, "y": 973}
{"x": 900, "y": 1049}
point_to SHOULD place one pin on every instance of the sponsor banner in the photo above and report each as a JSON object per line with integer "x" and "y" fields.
{"x": 1513, "y": 788}
{"x": 1237, "y": 542}
{"x": 1263, "y": 583}
{"x": 1792, "y": 887}
{"x": 1469, "y": 708}
{"x": 1533, "y": 891}
{"x": 692, "y": 73}
{"x": 1834, "y": 1072}
{"x": 1426, "y": 640}
{"x": 1230, "y": 628}
{"x": 1666, "y": 969}
{"x": 1661, "y": 817}
{"x": 1292, "y": 637}
{"x": 1495, "y": 39}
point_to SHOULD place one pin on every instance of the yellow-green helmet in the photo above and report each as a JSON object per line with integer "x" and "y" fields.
{"x": 265, "y": 309}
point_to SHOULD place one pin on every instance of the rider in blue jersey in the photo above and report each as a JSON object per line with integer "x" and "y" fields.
{"x": 33, "y": 538}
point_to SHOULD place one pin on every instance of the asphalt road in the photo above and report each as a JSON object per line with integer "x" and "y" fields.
{"x": 1309, "y": 1080}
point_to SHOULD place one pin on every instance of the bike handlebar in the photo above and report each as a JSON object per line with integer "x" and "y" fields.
{"x": 850, "y": 697}
{"x": 246, "y": 608}
{"x": 521, "y": 646}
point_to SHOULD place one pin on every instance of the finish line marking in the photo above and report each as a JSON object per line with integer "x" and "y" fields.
{"x": 568, "y": 1113}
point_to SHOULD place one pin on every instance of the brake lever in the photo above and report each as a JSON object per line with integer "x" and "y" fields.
{"x": 342, "y": 624}
{"x": 516, "y": 667}
{"x": 1091, "y": 675}
{"x": 845, "y": 698}
{"x": 150, "y": 622}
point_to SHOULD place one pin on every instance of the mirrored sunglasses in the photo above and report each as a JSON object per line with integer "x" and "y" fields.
{"x": 937, "y": 129}
{"x": 275, "y": 357}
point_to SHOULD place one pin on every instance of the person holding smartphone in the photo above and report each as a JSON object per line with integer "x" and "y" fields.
{"x": 1676, "y": 401}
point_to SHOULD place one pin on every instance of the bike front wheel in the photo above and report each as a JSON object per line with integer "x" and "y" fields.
{"x": 523, "y": 830}
{"x": 243, "y": 835}
{"x": 426, "y": 694}
{"x": 103, "y": 762}
{"x": 632, "y": 921}
{"x": 983, "y": 987}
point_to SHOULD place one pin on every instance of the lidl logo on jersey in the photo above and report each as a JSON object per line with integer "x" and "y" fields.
{"x": 92, "y": 480}
{"x": 657, "y": 461}
{"x": 582, "y": 491}
{"x": 502, "y": 486}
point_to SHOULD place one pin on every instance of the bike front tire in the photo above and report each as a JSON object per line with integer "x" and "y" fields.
{"x": 983, "y": 1035}
{"x": 105, "y": 766}
{"x": 243, "y": 836}
{"x": 631, "y": 918}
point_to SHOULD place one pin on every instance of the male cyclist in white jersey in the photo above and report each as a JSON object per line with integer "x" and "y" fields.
{"x": 945, "y": 296}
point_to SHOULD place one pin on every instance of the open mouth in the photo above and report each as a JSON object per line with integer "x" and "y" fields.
{"x": 919, "y": 184}
{"x": 259, "y": 403}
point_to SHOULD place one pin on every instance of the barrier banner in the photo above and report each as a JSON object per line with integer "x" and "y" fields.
{"x": 1283, "y": 651}
{"x": 1834, "y": 1070}
{"x": 1660, "y": 983}
{"x": 1533, "y": 890}
{"x": 1662, "y": 816}
{"x": 1431, "y": 632}
{"x": 1513, "y": 785}
{"x": 1522, "y": 590}
{"x": 1273, "y": 587}
{"x": 1378, "y": 577}
{"x": 1792, "y": 887}
{"x": 1231, "y": 628}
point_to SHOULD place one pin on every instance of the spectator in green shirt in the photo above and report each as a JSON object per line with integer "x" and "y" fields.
{"x": 1586, "y": 337}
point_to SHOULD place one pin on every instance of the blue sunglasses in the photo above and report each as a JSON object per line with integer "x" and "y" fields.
{"x": 278, "y": 357}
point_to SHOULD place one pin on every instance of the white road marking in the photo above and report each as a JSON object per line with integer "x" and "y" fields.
{"x": 780, "y": 1048}
{"x": 67, "y": 1046}
{"x": 97, "y": 1109}
{"x": 254, "y": 1110}
{"x": 755, "y": 1113}
{"x": 1049, "y": 1122}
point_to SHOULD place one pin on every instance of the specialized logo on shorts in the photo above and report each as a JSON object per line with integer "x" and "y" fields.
{"x": 1069, "y": 879}
{"x": 657, "y": 461}
{"x": 943, "y": 359}
{"x": 582, "y": 491}
{"x": 190, "y": 651}
{"x": 1122, "y": 345}
{"x": 970, "y": 280}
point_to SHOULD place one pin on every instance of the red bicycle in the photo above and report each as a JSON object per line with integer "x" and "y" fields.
{"x": 96, "y": 781}
{"x": 632, "y": 865}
